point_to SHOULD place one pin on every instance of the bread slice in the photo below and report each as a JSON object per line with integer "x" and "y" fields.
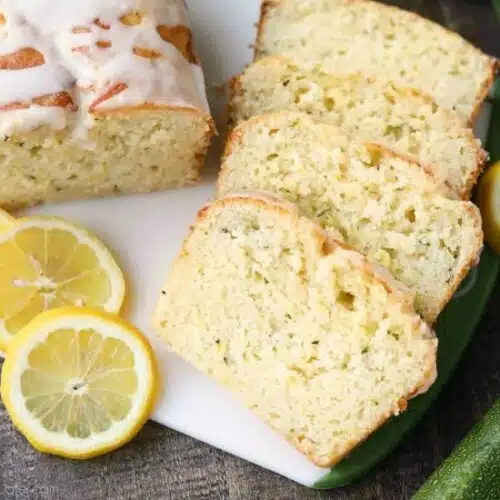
{"x": 347, "y": 36}
{"x": 401, "y": 118}
{"x": 305, "y": 332}
{"x": 137, "y": 151}
{"x": 384, "y": 205}
{"x": 102, "y": 100}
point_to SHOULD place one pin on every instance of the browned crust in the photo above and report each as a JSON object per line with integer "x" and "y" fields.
{"x": 146, "y": 53}
{"x": 58, "y": 100}
{"x": 181, "y": 38}
{"x": 24, "y": 58}
{"x": 110, "y": 93}
{"x": 493, "y": 69}
{"x": 103, "y": 44}
{"x": 325, "y": 246}
{"x": 15, "y": 105}
{"x": 233, "y": 138}
{"x": 236, "y": 88}
{"x": 147, "y": 106}
{"x": 212, "y": 129}
{"x": 266, "y": 7}
{"x": 494, "y": 65}
{"x": 101, "y": 25}
{"x": 481, "y": 160}
{"x": 472, "y": 261}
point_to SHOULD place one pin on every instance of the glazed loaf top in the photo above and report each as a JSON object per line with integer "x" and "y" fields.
{"x": 64, "y": 62}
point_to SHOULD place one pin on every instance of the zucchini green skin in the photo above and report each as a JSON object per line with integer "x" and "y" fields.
{"x": 472, "y": 471}
{"x": 496, "y": 7}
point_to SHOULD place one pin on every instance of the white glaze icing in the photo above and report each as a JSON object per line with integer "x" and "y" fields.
{"x": 67, "y": 35}
{"x": 24, "y": 120}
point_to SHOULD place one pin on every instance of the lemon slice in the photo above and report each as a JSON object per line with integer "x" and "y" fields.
{"x": 46, "y": 262}
{"x": 6, "y": 221}
{"x": 79, "y": 382}
{"x": 488, "y": 198}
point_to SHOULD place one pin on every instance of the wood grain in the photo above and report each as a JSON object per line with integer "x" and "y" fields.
{"x": 162, "y": 464}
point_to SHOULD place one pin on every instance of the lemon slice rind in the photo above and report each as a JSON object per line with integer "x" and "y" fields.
{"x": 61, "y": 443}
{"x": 488, "y": 197}
{"x": 84, "y": 237}
{"x": 6, "y": 221}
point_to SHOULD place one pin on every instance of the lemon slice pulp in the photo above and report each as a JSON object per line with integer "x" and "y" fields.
{"x": 79, "y": 382}
{"x": 46, "y": 262}
{"x": 488, "y": 198}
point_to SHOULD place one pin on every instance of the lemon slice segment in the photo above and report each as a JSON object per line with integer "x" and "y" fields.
{"x": 79, "y": 382}
{"x": 6, "y": 221}
{"x": 47, "y": 262}
{"x": 488, "y": 198}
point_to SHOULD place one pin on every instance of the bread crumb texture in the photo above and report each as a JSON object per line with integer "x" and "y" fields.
{"x": 127, "y": 153}
{"x": 384, "y": 206}
{"x": 345, "y": 36}
{"x": 305, "y": 332}
{"x": 402, "y": 119}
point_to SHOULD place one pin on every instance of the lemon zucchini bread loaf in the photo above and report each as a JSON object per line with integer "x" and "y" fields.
{"x": 306, "y": 333}
{"x": 384, "y": 205}
{"x": 98, "y": 98}
{"x": 401, "y": 118}
{"x": 347, "y": 36}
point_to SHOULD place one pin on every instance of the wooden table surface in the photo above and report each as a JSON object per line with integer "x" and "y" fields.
{"x": 162, "y": 464}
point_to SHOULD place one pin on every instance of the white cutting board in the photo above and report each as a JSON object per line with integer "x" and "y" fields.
{"x": 145, "y": 233}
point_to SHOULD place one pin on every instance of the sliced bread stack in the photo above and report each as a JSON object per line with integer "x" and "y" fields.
{"x": 306, "y": 333}
{"x": 384, "y": 206}
{"x": 313, "y": 312}
{"x": 401, "y": 118}
{"x": 346, "y": 36}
